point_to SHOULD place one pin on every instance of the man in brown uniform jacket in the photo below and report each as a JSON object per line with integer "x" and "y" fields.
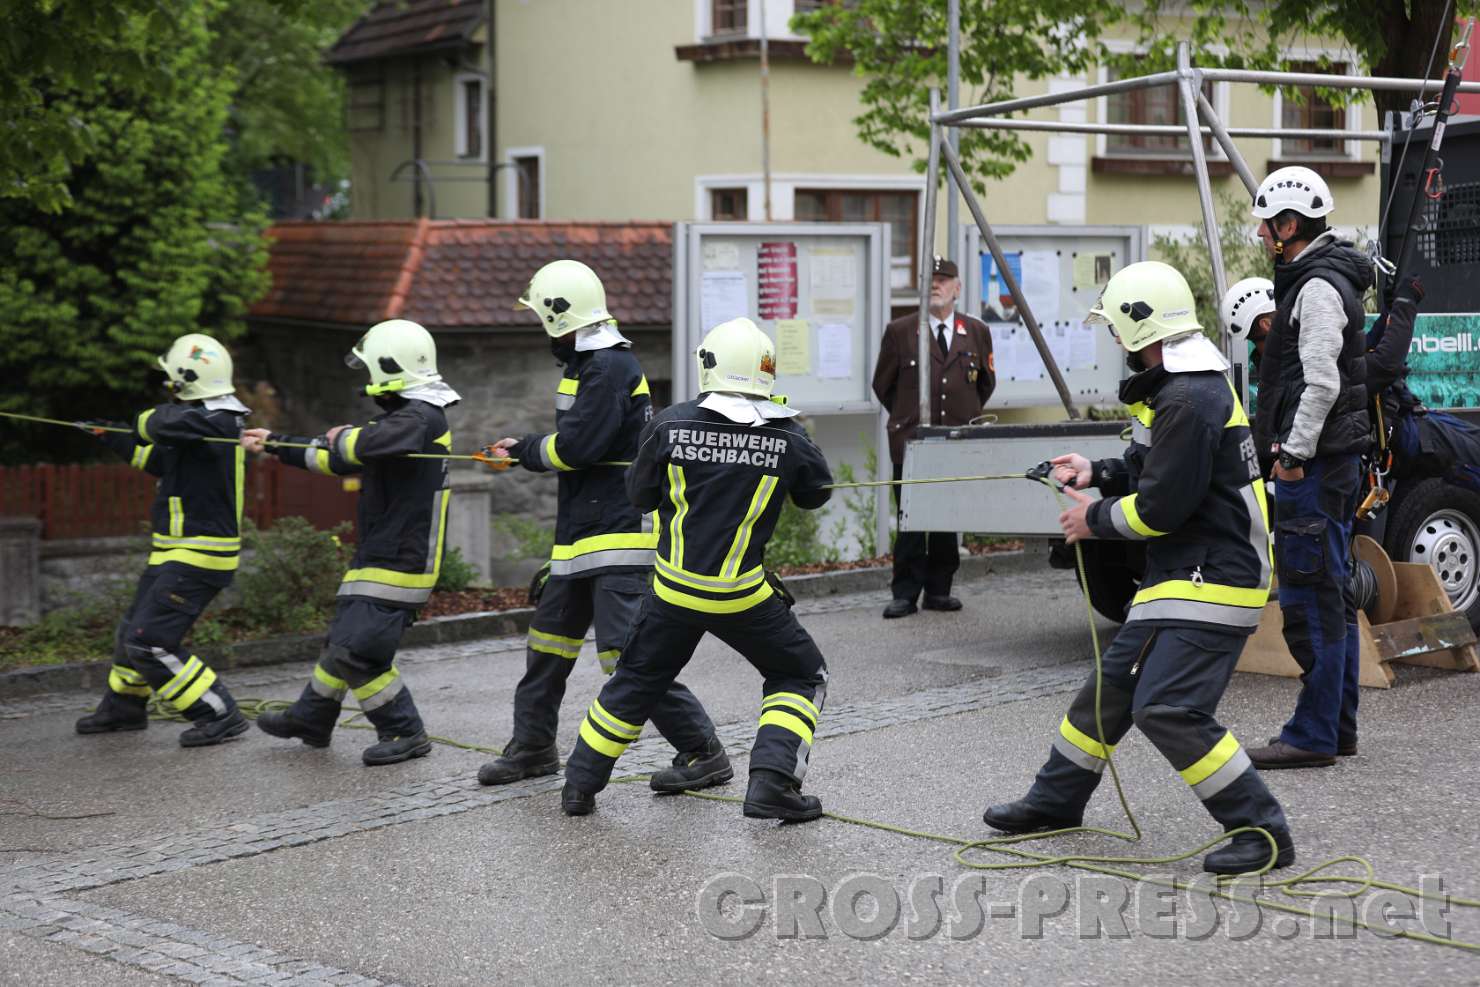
{"x": 962, "y": 376}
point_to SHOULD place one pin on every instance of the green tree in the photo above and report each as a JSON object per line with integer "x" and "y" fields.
{"x": 151, "y": 246}
{"x": 899, "y": 48}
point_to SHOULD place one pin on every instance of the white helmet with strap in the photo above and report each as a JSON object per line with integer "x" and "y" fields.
{"x": 566, "y": 295}
{"x": 736, "y": 357}
{"x": 1245, "y": 302}
{"x": 198, "y": 368}
{"x": 398, "y": 353}
{"x": 1293, "y": 187}
{"x": 1146, "y": 302}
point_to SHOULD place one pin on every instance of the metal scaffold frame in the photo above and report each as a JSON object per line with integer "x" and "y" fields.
{"x": 1188, "y": 80}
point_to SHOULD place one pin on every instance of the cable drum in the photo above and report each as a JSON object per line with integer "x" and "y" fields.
{"x": 1362, "y": 585}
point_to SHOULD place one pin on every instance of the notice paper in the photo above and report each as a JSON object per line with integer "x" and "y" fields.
{"x": 793, "y": 347}
{"x": 723, "y": 296}
{"x": 1082, "y": 355}
{"x": 1041, "y": 284}
{"x": 834, "y": 351}
{"x": 721, "y": 256}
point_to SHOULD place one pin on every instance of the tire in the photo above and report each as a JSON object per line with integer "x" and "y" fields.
{"x": 1112, "y": 576}
{"x": 1439, "y": 523}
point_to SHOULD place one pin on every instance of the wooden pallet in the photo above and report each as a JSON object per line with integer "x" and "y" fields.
{"x": 1423, "y": 630}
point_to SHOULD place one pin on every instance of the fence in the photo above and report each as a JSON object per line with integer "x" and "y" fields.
{"x": 113, "y": 499}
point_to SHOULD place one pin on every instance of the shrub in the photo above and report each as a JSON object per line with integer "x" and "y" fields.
{"x": 856, "y": 507}
{"x": 532, "y": 540}
{"x": 290, "y": 582}
{"x": 457, "y": 573}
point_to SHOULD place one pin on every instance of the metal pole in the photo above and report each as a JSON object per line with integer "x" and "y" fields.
{"x": 765, "y": 111}
{"x": 1053, "y": 99}
{"x": 1204, "y": 188}
{"x": 927, "y": 251}
{"x": 1225, "y": 141}
{"x": 1424, "y": 86}
{"x": 1168, "y": 130}
{"x": 953, "y": 100}
{"x": 990, "y": 239}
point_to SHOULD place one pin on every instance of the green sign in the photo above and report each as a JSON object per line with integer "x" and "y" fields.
{"x": 1444, "y": 360}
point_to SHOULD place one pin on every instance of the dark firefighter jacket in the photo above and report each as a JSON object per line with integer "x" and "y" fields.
{"x": 718, "y": 488}
{"x": 197, "y": 513}
{"x": 1190, "y": 487}
{"x": 600, "y": 408}
{"x": 401, "y": 521}
{"x": 966, "y": 377}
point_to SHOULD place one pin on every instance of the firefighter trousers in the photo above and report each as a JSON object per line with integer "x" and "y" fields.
{"x": 566, "y": 610}
{"x": 1167, "y": 681}
{"x": 663, "y": 640}
{"x": 1312, "y": 547}
{"x": 359, "y": 657}
{"x": 147, "y": 656}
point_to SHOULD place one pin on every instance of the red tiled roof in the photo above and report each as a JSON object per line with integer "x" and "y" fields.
{"x": 403, "y": 27}
{"x": 458, "y": 273}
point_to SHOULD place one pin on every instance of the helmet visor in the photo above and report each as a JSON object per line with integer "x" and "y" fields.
{"x": 352, "y": 359}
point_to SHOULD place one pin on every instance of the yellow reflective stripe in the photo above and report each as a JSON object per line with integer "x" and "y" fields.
{"x": 568, "y": 385}
{"x": 332, "y": 681}
{"x": 206, "y": 680}
{"x": 673, "y": 596}
{"x": 141, "y": 424}
{"x": 1142, "y": 413}
{"x": 444, "y": 440}
{"x": 556, "y": 638}
{"x": 641, "y": 388}
{"x": 1210, "y": 762}
{"x": 317, "y": 461}
{"x": 553, "y": 649}
{"x": 599, "y": 743}
{"x": 758, "y": 502}
{"x": 601, "y": 543}
{"x": 219, "y": 563}
{"x": 1237, "y": 417}
{"x": 554, "y": 644}
{"x": 787, "y": 721}
{"x": 177, "y": 517}
{"x": 127, "y": 682}
{"x": 215, "y": 543}
{"x": 240, "y": 467}
{"x": 390, "y": 577}
{"x": 436, "y": 559}
{"x": 551, "y": 455}
{"x": 617, "y": 726}
{"x": 377, "y": 684}
{"x": 348, "y": 439}
{"x": 1133, "y": 518}
{"x": 792, "y": 699}
{"x": 140, "y": 459}
{"x": 1185, "y": 589}
{"x": 1084, "y": 741}
{"x": 676, "y": 485}
{"x": 713, "y": 584}
{"x": 127, "y": 674}
{"x": 181, "y": 678}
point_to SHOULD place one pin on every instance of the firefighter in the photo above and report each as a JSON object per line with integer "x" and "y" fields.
{"x": 1189, "y": 487}
{"x": 603, "y": 555}
{"x": 1312, "y": 419}
{"x": 196, "y": 541}
{"x": 717, "y": 470}
{"x": 400, "y": 528}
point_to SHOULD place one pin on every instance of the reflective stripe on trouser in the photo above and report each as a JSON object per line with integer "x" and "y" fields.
{"x": 567, "y": 609}
{"x": 1167, "y": 681}
{"x": 663, "y": 640}
{"x": 1312, "y": 555}
{"x": 359, "y": 659}
{"x": 147, "y": 652}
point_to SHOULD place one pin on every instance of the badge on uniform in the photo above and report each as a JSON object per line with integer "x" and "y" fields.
{"x": 971, "y": 376}
{"x": 960, "y": 328}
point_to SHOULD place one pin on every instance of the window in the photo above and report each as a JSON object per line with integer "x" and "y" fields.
{"x": 728, "y": 17}
{"x": 729, "y": 203}
{"x": 899, "y": 209}
{"x": 1158, "y": 106}
{"x": 365, "y": 108}
{"x": 527, "y": 196}
{"x": 1308, "y": 111}
{"x": 468, "y": 117}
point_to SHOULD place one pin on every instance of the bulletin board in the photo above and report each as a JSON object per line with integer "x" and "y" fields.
{"x": 1061, "y": 270}
{"x": 817, "y": 289}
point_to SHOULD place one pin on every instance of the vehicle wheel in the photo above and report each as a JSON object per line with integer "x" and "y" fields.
{"x": 1111, "y": 579}
{"x": 1439, "y": 523}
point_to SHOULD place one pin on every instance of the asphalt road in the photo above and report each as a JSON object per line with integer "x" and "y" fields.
{"x": 127, "y": 860}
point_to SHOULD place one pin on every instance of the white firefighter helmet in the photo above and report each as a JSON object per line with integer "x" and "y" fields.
{"x": 738, "y": 358}
{"x": 1245, "y": 302}
{"x": 198, "y": 367}
{"x": 398, "y": 353}
{"x": 1293, "y": 187}
{"x": 1146, "y": 302}
{"x": 566, "y": 295}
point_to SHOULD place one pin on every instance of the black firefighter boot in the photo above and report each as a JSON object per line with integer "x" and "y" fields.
{"x": 773, "y": 795}
{"x": 574, "y": 802}
{"x": 1022, "y": 817}
{"x": 310, "y": 719}
{"x": 694, "y": 769}
{"x": 519, "y": 761}
{"x": 1248, "y": 802}
{"x": 208, "y": 728}
{"x": 399, "y": 727}
{"x": 1249, "y": 852}
{"x": 114, "y": 713}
